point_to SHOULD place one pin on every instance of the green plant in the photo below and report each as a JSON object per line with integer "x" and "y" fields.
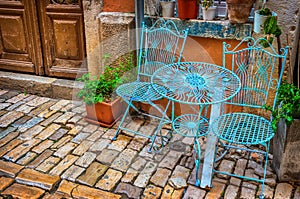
{"x": 288, "y": 101}
{"x": 207, "y": 3}
{"x": 271, "y": 28}
{"x": 265, "y": 12}
{"x": 99, "y": 89}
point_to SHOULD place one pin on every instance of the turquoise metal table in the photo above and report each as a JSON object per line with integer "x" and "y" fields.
{"x": 202, "y": 84}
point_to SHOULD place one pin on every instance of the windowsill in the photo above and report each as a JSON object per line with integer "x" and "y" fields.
{"x": 218, "y": 29}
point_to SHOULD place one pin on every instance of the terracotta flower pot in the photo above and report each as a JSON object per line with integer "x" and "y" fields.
{"x": 188, "y": 9}
{"x": 239, "y": 10}
{"x": 105, "y": 114}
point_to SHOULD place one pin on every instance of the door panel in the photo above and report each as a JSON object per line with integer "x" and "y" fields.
{"x": 64, "y": 49}
{"x": 62, "y": 37}
{"x": 20, "y": 48}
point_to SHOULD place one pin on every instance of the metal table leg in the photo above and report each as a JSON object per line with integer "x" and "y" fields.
{"x": 209, "y": 155}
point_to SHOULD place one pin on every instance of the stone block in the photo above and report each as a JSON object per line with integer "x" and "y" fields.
{"x": 10, "y": 117}
{"x": 23, "y": 191}
{"x": 194, "y": 193}
{"x": 283, "y": 190}
{"x": 66, "y": 89}
{"x": 48, "y": 164}
{"x": 8, "y": 138}
{"x": 286, "y": 156}
{"x": 38, "y": 179}
{"x": 12, "y": 144}
{"x": 87, "y": 192}
{"x": 5, "y": 182}
{"x": 128, "y": 189}
{"x": 72, "y": 173}
{"x": 21, "y": 150}
{"x": 152, "y": 191}
{"x": 63, "y": 165}
{"x": 93, "y": 172}
{"x": 30, "y": 83}
{"x": 109, "y": 180}
{"x": 116, "y": 35}
{"x": 160, "y": 178}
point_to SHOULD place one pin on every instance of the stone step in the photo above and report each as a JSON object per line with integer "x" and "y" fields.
{"x": 43, "y": 86}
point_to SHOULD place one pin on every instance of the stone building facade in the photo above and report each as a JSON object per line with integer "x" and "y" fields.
{"x": 109, "y": 30}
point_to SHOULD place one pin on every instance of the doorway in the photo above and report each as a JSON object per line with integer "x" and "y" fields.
{"x": 42, "y": 37}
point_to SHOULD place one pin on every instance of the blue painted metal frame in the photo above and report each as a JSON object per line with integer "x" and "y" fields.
{"x": 195, "y": 83}
{"x": 256, "y": 67}
{"x": 158, "y": 46}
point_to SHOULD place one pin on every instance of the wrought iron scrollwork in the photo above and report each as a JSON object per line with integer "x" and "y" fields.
{"x": 67, "y": 2}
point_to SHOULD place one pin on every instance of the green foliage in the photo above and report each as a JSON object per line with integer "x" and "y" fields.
{"x": 207, "y": 3}
{"x": 265, "y": 12}
{"x": 271, "y": 29}
{"x": 99, "y": 89}
{"x": 288, "y": 101}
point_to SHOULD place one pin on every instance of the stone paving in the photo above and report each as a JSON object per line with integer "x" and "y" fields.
{"x": 47, "y": 150}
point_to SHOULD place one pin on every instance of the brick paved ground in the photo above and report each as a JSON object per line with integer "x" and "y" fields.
{"x": 47, "y": 150}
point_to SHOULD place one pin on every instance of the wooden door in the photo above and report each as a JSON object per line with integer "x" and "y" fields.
{"x": 62, "y": 36}
{"x": 20, "y": 47}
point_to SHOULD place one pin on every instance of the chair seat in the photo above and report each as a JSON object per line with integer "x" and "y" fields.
{"x": 139, "y": 91}
{"x": 243, "y": 128}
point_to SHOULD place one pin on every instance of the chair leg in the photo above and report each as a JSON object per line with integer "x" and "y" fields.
{"x": 162, "y": 119}
{"x": 161, "y": 123}
{"x": 261, "y": 196}
{"x": 265, "y": 153}
{"x": 223, "y": 153}
{"x": 154, "y": 137}
{"x": 121, "y": 122}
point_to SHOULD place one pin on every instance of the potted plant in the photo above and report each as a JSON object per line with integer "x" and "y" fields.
{"x": 167, "y": 7}
{"x": 188, "y": 9}
{"x": 288, "y": 99}
{"x": 286, "y": 142}
{"x": 102, "y": 105}
{"x": 208, "y": 9}
{"x": 239, "y": 10}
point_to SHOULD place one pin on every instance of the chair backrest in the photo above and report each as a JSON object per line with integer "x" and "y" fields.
{"x": 160, "y": 44}
{"x": 259, "y": 69}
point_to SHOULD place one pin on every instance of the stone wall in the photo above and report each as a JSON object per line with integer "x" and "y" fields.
{"x": 117, "y": 36}
{"x": 91, "y": 9}
{"x": 286, "y": 146}
{"x": 107, "y": 32}
{"x": 287, "y": 12}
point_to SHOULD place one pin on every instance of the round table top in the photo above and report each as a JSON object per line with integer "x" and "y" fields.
{"x": 196, "y": 83}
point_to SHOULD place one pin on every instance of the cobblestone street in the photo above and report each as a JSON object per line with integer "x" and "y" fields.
{"x": 48, "y": 150}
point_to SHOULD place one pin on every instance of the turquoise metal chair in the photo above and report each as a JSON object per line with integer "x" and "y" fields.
{"x": 257, "y": 69}
{"x": 160, "y": 44}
